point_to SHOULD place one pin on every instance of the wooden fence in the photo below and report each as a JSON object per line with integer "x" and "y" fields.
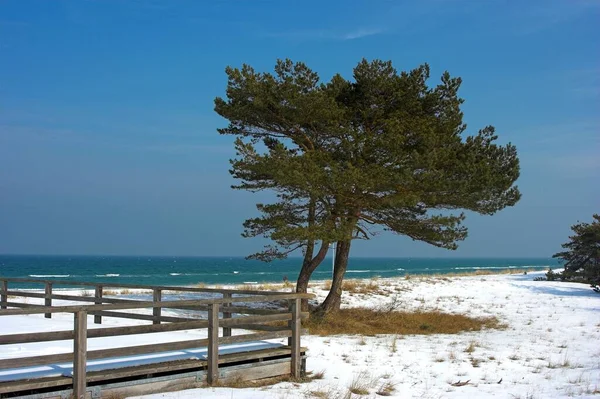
{"x": 231, "y": 302}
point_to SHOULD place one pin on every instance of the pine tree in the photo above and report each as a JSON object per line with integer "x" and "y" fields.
{"x": 582, "y": 255}
{"x": 348, "y": 158}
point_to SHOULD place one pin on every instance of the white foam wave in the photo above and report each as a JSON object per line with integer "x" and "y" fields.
{"x": 49, "y": 275}
{"x": 175, "y": 274}
{"x": 359, "y": 271}
{"x": 235, "y": 272}
{"x": 400, "y": 269}
{"x": 108, "y": 275}
{"x": 250, "y": 282}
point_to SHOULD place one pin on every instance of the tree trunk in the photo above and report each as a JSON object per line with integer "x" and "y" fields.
{"x": 308, "y": 267}
{"x": 334, "y": 298}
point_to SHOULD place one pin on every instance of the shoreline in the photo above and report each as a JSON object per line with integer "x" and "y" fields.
{"x": 269, "y": 285}
{"x": 549, "y": 347}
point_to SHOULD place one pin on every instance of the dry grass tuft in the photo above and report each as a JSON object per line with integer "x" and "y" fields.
{"x": 316, "y": 375}
{"x": 360, "y": 384}
{"x": 387, "y": 389}
{"x": 285, "y": 286}
{"x": 354, "y": 286}
{"x": 371, "y": 322}
{"x": 486, "y": 272}
{"x": 471, "y": 347}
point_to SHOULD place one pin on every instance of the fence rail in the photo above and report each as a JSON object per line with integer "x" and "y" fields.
{"x": 221, "y": 311}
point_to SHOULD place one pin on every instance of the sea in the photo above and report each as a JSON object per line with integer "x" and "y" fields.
{"x": 188, "y": 271}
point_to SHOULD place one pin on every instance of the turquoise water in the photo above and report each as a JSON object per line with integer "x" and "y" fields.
{"x": 153, "y": 270}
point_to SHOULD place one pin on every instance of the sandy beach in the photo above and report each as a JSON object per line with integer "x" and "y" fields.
{"x": 548, "y": 349}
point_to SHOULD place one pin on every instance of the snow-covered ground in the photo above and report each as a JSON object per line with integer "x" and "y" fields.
{"x": 550, "y": 348}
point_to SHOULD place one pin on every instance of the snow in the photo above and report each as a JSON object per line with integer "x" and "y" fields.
{"x": 550, "y": 348}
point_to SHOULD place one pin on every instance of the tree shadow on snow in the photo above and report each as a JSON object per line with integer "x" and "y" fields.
{"x": 577, "y": 290}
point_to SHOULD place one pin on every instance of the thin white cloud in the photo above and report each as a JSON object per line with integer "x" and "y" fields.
{"x": 323, "y": 34}
{"x": 362, "y": 33}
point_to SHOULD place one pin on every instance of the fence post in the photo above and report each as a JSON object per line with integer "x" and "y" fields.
{"x": 4, "y": 295}
{"x": 80, "y": 355}
{"x": 48, "y": 299}
{"x": 296, "y": 325}
{"x": 213, "y": 343}
{"x": 156, "y": 312}
{"x": 226, "y": 315}
{"x": 98, "y": 301}
{"x": 290, "y": 321}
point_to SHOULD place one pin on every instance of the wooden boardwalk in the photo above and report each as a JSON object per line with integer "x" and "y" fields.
{"x": 222, "y": 355}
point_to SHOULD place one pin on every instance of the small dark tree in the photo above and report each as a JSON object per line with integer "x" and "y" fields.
{"x": 582, "y": 253}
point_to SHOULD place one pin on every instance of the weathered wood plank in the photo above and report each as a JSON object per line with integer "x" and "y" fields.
{"x": 224, "y": 309}
{"x": 226, "y": 315}
{"x": 261, "y": 327}
{"x": 3, "y": 293}
{"x": 257, "y": 371}
{"x": 255, "y": 319}
{"x": 112, "y": 374}
{"x": 140, "y": 349}
{"x": 188, "y": 364}
{"x": 156, "y": 297}
{"x": 36, "y": 337}
{"x": 137, "y": 316}
{"x": 239, "y": 322}
{"x": 213, "y": 344}
{"x": 91, "y": 299}
{"x": 48, "y": 299}
{"x": 80, "y": 355}
{"x": 148, "y": 304}
{"x": 26, "y": 294}
{"x": 296, "y": 366}
{"x": 180, "y": 365}
{"x": 38, "y": 383}
{"x": 145, "y": 387}
{"x": 98, "y": 301}
{"x": 24, "y": 305}
{"x": 139, "y": 286}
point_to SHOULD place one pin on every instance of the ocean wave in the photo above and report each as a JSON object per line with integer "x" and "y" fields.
{"x": 49, "y": 275}
{"x": 359, "y": 271}
{"x": 401, "y": 269}
{"x": 108, "y": 275}
{"x": 235, "y": 272}
{"x": 174, "y": 274}
{"x": 250, "y": 282}
{"x": 497, "y": 267}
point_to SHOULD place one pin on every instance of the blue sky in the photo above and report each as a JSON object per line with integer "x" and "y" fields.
{"x": 108, "y": 140}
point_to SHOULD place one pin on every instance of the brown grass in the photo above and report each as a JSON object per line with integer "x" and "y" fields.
{"x": 355, "y": 286}
{"x": 285, "y": 287}
{"x": 484, "y": 272}
{"x": 371, "y": 322}
{"x": 386, "y": 389}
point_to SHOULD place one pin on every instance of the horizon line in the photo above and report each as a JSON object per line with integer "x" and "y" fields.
{"x": 290, "y": 257}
